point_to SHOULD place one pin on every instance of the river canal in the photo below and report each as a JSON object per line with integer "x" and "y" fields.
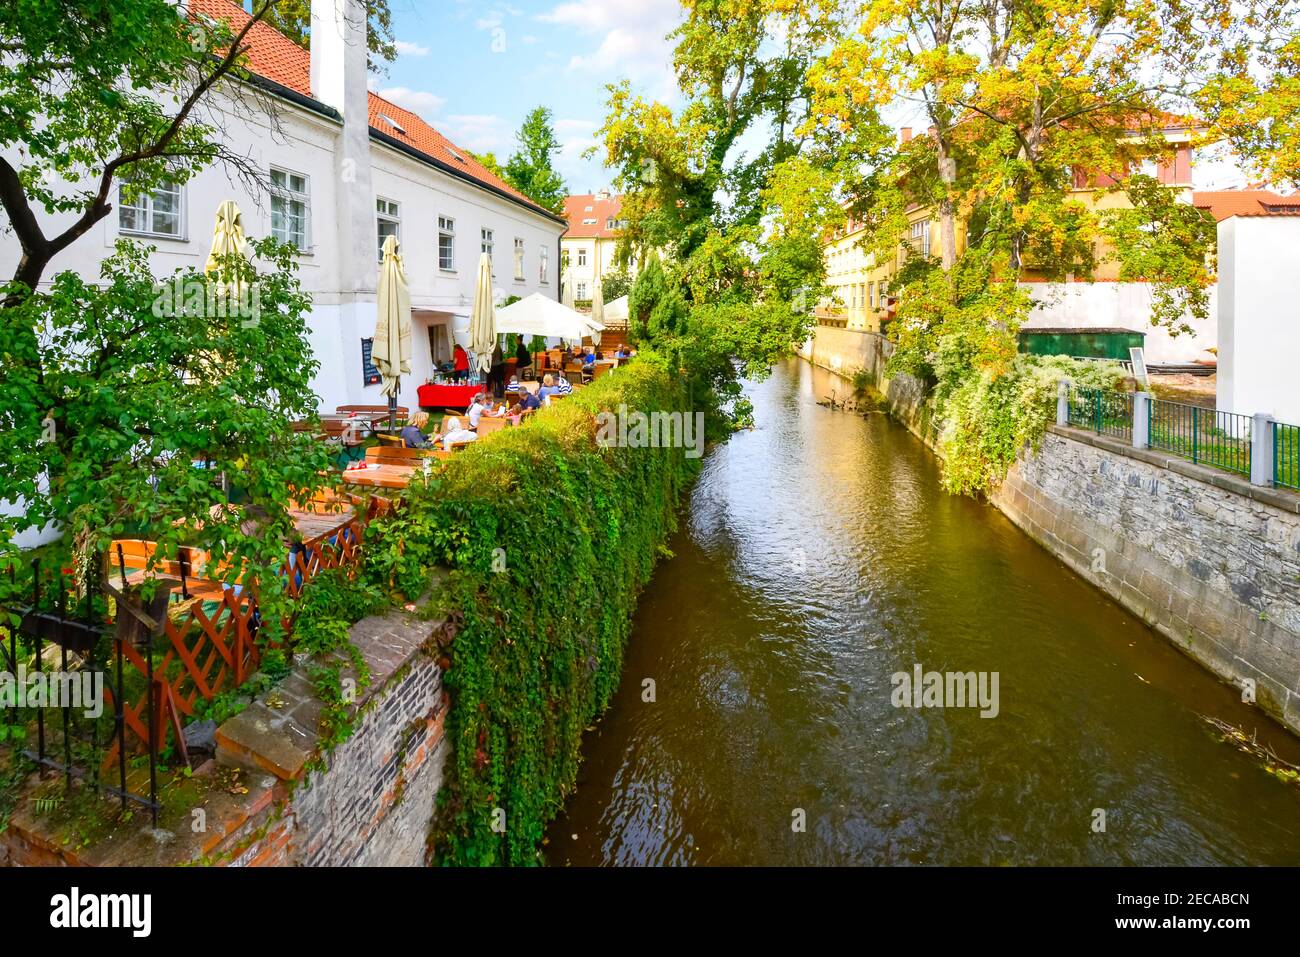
{"x": 818, "y": 556}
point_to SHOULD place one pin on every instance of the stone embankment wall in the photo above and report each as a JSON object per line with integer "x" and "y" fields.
{"x": 1204, "y": 557}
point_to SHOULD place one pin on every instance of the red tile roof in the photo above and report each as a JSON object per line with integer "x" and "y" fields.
{"x": 277, "y": 58}
{"x": 1224, "y": 204}
{"x": 602, "y": 210}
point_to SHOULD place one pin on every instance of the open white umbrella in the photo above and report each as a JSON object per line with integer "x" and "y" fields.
{"x": 483, "y": 320}
{"x": 597, "y": 313}
{"x": 391, "y": 350}
{"x": 227, "y": 238}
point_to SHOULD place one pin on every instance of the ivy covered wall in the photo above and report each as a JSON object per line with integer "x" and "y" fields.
{"x": 549, "y": 538}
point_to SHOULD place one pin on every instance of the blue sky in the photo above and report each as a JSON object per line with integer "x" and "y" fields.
{"x": 474, "y": 68}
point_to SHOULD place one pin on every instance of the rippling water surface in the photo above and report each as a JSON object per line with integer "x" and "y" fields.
{"x": 819, "y": 556}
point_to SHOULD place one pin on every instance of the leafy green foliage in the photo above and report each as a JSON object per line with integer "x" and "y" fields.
{"x": 531, "y": 170}
{"x": 131, "y": 390}
{"x": 990, "y": 418}
{"x": 550, "y": 538}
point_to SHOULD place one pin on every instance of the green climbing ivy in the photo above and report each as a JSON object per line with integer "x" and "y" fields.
{"x": 549, "y": 538}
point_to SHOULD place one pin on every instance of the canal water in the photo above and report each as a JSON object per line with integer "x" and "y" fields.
{"x": 818, "y": 557}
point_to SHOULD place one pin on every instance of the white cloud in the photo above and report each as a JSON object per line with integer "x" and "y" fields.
{"x": 630, "y": 40}
{"x": 425, "y": 104}
{"x": 410, "y": 49}
{"x": 487, "y": 23}
{"x": 480, "y": 132}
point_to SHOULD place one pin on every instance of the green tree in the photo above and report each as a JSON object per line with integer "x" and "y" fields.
{"x": 615, "y": 283}
{"x": 742, "y": 268}
{"x": 490, "y": 163}
{"x": 135, "y": 384}
{"x": 530, "y": 169}
{"x": 293, "y": 19}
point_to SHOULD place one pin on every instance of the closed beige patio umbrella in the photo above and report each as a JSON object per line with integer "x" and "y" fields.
{"x": 597, "y": 313}
{"x": 566, "y": 292}
{"x": 227, "y": 238}
{"x": 483, "y": 320}
{"x": 391, "y": 351}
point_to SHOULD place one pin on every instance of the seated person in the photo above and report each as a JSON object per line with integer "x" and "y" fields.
{"x": 563, "y": 386}
{"x": 588, "y": 360}
{"x": 599, "y": 355}
{"x": 413, "y": 436}
{"x": 513, "y": 387}
{"x": 476, "y": 410}
{"x": 548, "y": 388}
{"x": 455, "y": 434}
{"x": 530, "y": 401}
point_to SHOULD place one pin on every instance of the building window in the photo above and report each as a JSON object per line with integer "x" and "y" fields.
{"x": 582, "y": 291}
{"x": 387, "y": 220}
{"x": 871, "y": 294}
{"x": 519, "y": 259}
{"x": 920, "y": 235}
{"x": 589, "y": 222}
{"x": 543, "y": 264}
{"x": 564, "y": 259}
{"x": 582, "y": 257}
{"x": 157, "y": 213}
{"x": 486, "y": 241}
{"x": 290, "y": 208}
{"x": 446, "y": 243}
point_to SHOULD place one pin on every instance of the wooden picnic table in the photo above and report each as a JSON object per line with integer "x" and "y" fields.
{"x": 381, "y": 476}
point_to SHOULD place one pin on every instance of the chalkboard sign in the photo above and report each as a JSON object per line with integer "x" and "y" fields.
{"x": 368, "y": 368}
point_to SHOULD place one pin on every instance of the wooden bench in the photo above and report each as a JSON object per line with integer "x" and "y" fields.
{"x": 371, "y": 409}
{"x": 387, "y": 455}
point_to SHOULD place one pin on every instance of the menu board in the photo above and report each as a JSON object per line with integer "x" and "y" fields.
{"x": 369, "y": 370}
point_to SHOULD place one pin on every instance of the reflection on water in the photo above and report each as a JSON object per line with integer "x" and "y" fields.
{"x": 818, "y": 557}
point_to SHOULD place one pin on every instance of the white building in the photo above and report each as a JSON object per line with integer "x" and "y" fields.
{"x": 1259, "y": 319}
{"x": 346, "y": 168}
{"x": 589, "y": 248}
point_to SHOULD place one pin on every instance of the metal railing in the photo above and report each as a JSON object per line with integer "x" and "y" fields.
{"x": 1106, "y": 413}
{"x": 1264, "y": 451}
{"x": 1286, "y": 455}
{"x": 1202, "y": 436}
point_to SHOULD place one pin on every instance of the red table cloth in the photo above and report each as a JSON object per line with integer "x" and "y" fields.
{"x": 448, "y": 396}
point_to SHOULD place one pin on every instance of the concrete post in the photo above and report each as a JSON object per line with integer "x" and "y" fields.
{"x": 1063, "y": 402}
{"x": 1141, "y": 419}
{"x": 1261, "y": 449}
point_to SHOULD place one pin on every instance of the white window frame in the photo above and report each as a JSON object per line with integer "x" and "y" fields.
{"x": 286, "y": 193}
{"x": 387, "y": 211}
{"x": 144, "y": 206}
{"x": 487, "y": 241}
{"x": 582, "y": 255}
{"x": 921, "y": 231}
{"x": 581, "y": 293}
{"x": 543, "y": 264}
{"x": 447, "y": 231}
{"x": 519, "y": 259}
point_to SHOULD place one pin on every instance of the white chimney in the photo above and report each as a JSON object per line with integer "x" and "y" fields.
{"x": 338, "y": 79}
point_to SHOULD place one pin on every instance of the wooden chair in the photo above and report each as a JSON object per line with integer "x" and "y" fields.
{"x": 599, "y": 370}
{"x": 392, "y": 440}
{"x": 489, "y": 424}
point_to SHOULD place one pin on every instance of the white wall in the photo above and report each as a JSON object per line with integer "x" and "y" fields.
{"x": 1125, "y": 305}
{"x": 1259, "y": 316}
